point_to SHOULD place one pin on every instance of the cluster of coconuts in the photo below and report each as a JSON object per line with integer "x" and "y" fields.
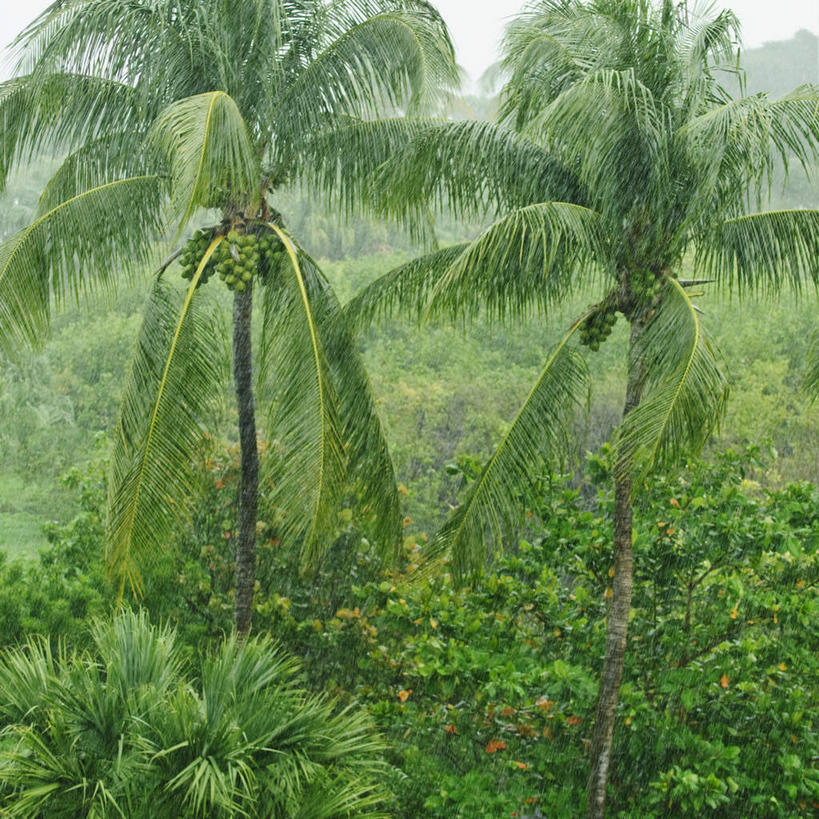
{"x": 241, "y": 255}
{"x": 645, "y": 285}
{"x": 598, "y": 325}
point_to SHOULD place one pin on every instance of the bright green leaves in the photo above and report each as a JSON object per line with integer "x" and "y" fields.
{"x": 78, "y": 245}
{"x": 127, "y": 728}
{"x": 175, "y": 373}
{"x": 541, "y": 433}
{"x": 210, "y": 155}
{"x": 684, "y": 391}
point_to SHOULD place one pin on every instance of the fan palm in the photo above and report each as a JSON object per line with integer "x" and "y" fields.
{"x": 620, "y": 162}
{"x": 125, "y": 731}
{"x": 168, "y": 107}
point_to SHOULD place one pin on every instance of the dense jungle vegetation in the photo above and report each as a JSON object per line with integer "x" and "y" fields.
{"x": 386, "y": 688}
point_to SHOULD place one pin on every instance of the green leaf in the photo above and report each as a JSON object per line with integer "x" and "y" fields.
{"x": 210, "y": 155}
{"x": 684, "y": 391}
{"x": 175, "y": 373}
{"x": 532, "y": 257}
{"x": 763, "y": 252}
{"x": 303, "y": 422}
{"x": 540, "y": 434}
{"x": 78, "y": 246}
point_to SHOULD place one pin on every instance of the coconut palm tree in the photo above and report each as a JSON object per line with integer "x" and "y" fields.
{"x": 126, "y": 730}
{"x": 621, "y": 167}
{"x": 167, "y": 108}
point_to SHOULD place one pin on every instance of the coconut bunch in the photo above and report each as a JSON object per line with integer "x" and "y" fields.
{"x": 597, "y": 326}
{"x": 243, "y": 254}
{"x": 645, "y": 285}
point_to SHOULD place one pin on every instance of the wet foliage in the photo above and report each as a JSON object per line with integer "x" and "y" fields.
{"x": 485, "y": 695}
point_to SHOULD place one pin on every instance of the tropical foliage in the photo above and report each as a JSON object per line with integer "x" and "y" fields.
{"x": 486, "y": 694}
{"x": 624, "y": 168}
{"x": 167, "y": 108}
{"x": 123, "y": 730}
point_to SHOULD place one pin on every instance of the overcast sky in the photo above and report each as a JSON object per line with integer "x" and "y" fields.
{"x": 476, "y": 25}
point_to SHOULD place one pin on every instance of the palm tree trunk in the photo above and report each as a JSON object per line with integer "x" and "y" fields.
{"x": 249, "y": 479}
{"x": 617, "y": 620}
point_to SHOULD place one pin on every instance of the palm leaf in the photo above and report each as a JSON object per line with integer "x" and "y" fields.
{"x": 392, "y": 59}
{"x": 339, "y": 163}
{"x": 62, "y": 111}
{"x": 369, "y": 468}
{"x": 531, "y": 257}
{"x": 762, "y": 252}
{"x": 303, "y": 424}
{"x": 174, "y": 374}
{"x": 610, "y": 121}
{"x": 469, "y": 168}
{"x": 684, "y": 391}
{"x": 102, "y": 160}
{"x": 78, "y": 245}
{"x": 406, "y": 288}
{"x": 210, "y": 154}
{"x": 540, "y": 434}
{"x": 743, "y": 137}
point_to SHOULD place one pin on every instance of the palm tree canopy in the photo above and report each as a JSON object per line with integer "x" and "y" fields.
{"x": 163, "y": 108}
{"x": 619, "y": 160}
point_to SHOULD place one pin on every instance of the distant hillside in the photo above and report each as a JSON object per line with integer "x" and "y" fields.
{"x": 779, "y": 67}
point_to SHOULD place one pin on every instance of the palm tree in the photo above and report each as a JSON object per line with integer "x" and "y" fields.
{"x": 622, "y": 167}
{"x": 168, "y": 107}
{"x": 125, "y": 730}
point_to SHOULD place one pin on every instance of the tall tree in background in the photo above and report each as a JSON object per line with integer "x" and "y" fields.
{"x": 168, "y": 107}
{"x": 621, "y": 165}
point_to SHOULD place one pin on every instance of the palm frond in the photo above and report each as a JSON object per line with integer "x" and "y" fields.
{"x": 684, "y": 390}
{"x": 303, "y": 424}
{"x": 470, "y": 168}
{"x": 176, "y": 368}
{"x": 81, "y": 244}
{"x": 369, "y": 469}
{"x": 116, "y": 39}
{"x": 709, "y": 40}
{"x": 742, "y": 139}
{"x": 549, "y": 47}
{"x": 210, "y": 154}
{"x": 28, "y": 676}
{"x": 762, "y": 252}
{"x": 394, "y": 59}
{"x": 406, "y": 288}
{"x": 610, "y": 121}
{"x": 51, "y": 113}
{"x": 338, "y": 164}
{"x": 540, "y": 434}
{"x": 532, "y": 257}
{"x": 102, "y": 160}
